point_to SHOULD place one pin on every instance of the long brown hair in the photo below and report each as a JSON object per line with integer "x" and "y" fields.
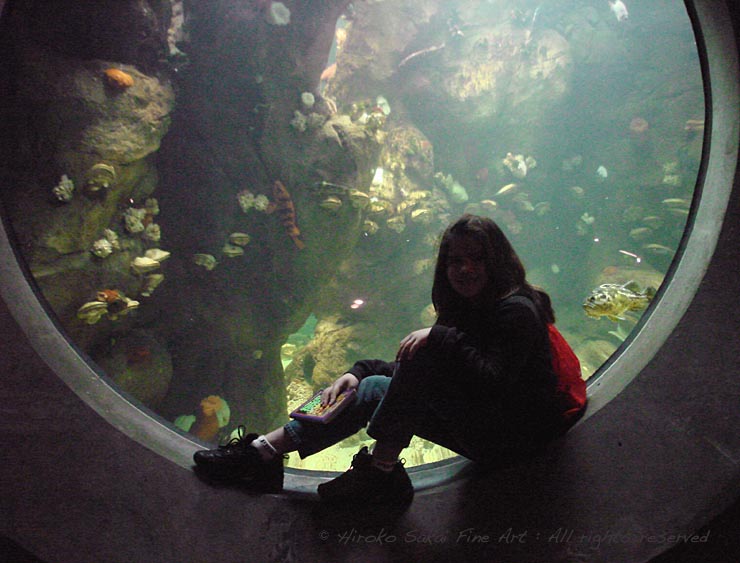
{"x": 506, "y": 273}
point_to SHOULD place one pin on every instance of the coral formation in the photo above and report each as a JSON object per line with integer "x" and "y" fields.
{"x": 143, "y": 265}
{"x": 151, "y": 282}
{"x": 207, "y": 261}
{"x": 239, "y": 239}
{"x": 277, "y": 13}
{"x": 308, "y": 100}
{"x": 133, "y": 220}
{"x": 64, "y": 190}
{"x": 102, "y": 248}
{"x": 232, "y": 250}
{"x": 157, "y": 254}
{"x": 99, "y": 178}
{"x": 109, "y": 303}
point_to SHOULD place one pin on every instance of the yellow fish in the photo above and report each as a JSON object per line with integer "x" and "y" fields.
{"x": 612, "y": 300}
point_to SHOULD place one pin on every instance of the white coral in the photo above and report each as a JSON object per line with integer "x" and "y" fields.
{"x": 246, "y": 200}
{"x": 299, "y": 121}
{"x": 112, "y": 237}
{"x": 134, "y": 220}
{"x": 64, "y": 189}
{"x": 102, "y": 248}
{"x": 261, "y": 203}
{"x": 152, "y": 232}
{"x": 277, "y": 13}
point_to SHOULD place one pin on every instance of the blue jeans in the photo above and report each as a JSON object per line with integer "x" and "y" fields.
{"x": 424, "y": 398}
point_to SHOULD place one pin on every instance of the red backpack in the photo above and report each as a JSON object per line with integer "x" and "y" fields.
{"x": 571, "y": 388}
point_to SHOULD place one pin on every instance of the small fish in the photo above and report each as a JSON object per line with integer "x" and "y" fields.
{"x": 640, "y": 233}
{"x": 659, "y": 249}
{"x": 329, "y": 73}
{"x": 694, "y": 125}
{"x": 506, "y": 189}
{"x": 677, "y": 202}
{"x": 283, "y": 204}
{"x": 602, "y": 172}
{"x": 612, "y": 300}
{"x": 619, "y": 10}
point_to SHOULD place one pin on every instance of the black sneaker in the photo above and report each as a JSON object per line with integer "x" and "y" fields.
{"x": 238, "y": 462}
{"x": 363, "y": 483}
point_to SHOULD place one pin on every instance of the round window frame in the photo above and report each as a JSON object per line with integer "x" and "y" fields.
{"x": 719, "y": 67}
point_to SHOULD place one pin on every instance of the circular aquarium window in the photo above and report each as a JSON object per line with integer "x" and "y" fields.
{"x": 224, "y": 208}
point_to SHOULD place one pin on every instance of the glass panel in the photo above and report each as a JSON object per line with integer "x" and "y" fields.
{"x": 228, "y": 205}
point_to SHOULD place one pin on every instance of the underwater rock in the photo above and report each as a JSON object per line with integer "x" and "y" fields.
{"x": 64, "y": 190}
{"x": 139, "y": 364}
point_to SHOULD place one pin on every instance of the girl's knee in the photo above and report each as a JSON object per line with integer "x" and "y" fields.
{"x": 372, "y": 388}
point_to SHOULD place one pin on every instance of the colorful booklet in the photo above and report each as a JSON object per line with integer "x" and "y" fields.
{"x": 312, "y": 410}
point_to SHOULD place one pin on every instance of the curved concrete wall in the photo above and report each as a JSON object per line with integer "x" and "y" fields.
{"x": 658, "y": 460}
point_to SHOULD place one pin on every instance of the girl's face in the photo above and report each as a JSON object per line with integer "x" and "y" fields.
{"x": 466, "y": 267}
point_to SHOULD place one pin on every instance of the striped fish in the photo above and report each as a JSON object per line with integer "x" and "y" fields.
{"x": 283, "y": 204}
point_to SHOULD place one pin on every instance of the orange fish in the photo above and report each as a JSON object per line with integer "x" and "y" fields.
{"x": 109, "y": 295}
{"x": 283, "y": 204}
{"x": 329, "y": 73}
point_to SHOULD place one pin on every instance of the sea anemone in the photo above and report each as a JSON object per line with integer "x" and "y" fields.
{"x": 118, "y": 79}
{"x": 212, "y": 415}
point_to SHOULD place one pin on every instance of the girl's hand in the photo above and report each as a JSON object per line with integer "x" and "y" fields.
{"x": 412, "y": 343}
{"x": 343, "y": 383}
